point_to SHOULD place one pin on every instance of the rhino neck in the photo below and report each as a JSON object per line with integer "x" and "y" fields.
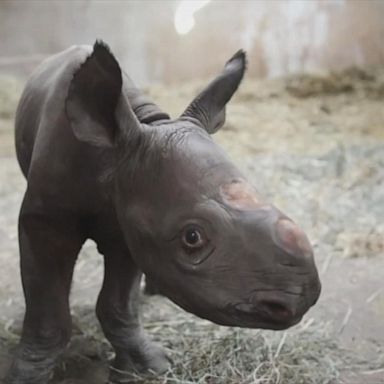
{"x": 145, "y": 109}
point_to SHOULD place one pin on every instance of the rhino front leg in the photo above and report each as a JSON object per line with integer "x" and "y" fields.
{"x": 48, "y": 251}
{"x": 118, "y": 312}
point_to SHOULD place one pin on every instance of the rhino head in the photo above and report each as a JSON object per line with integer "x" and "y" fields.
{"x": 192, "y": 221}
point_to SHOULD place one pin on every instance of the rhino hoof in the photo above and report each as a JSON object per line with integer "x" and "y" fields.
{"x": 150, "y": 359}
{"x": 26, "y": 372}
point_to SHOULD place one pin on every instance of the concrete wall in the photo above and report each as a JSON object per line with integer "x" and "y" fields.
{"x": 281, "y": 37}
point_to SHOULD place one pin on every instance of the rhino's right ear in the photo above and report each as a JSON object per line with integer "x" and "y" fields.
{"x": 95, "y": 101}
{"x": 208, "y": 108}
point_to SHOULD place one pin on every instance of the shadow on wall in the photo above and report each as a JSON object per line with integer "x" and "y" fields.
{"x": 281, "y": 37}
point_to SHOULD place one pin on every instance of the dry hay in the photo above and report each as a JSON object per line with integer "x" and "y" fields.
{"x": 10, "y": 90}
{"x": 204, "y": 353}
{"x": 349, "y": 80}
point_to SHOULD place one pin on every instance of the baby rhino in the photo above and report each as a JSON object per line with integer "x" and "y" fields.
{"x": 158, "y": 196}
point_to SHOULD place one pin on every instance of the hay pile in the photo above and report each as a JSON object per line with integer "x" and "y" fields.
{"x": 204, "y": 353}
{"x": 365, "y": 82}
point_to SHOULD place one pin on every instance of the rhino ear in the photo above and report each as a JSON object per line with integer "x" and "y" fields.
{"x": 209, "y": 106}
{"x": 94, "y": 99}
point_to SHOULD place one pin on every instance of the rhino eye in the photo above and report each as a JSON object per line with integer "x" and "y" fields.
{"x": 193, "y": 238}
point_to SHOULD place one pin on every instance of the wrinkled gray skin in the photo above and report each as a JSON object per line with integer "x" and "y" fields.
{"x": 156, "y": 195}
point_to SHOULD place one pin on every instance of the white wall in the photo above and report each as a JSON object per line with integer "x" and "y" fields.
{"x": 281, "y": 36}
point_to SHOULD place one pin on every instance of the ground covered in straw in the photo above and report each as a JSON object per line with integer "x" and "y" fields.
{"x": 315, "y": 146}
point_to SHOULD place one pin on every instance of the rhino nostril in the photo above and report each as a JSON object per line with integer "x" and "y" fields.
{"x": 276, "y": 309}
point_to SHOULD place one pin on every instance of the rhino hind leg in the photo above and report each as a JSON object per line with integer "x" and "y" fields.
{"x": 48, "y": 252}
{"x": 118, "y": 312}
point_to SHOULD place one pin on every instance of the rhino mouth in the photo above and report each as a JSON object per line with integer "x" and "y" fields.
{"x": 247, "y": 316}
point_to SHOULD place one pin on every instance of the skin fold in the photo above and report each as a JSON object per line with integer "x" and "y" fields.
{"x": 158, "y": 196}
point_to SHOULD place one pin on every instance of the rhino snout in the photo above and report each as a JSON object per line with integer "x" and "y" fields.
{"x": 275, "y": 309}
{"x": 295, "y": 254}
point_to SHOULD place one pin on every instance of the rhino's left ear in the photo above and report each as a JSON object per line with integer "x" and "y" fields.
{"x": 209, "y": 106}
{"x": 95, "y": 105}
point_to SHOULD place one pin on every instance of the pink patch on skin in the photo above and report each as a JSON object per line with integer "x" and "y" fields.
{"x": 240, "y": 195}
{"x": 292, "y": 238}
